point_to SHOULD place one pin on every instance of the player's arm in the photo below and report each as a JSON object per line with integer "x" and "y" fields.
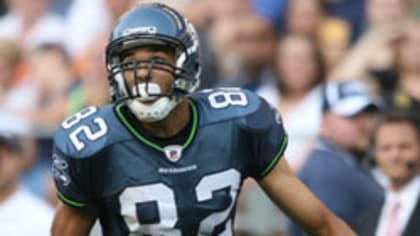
{"x": 291, "y": 195}
{"x": 70, "y": 221}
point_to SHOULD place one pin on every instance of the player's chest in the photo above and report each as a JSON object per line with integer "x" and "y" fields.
{"x": 185, "y": 174}
{"x": 188, "y": 196}
{"x": 211, "y": 150}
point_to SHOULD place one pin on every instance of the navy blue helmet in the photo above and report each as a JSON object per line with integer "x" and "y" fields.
{"x": 154, "y": 24}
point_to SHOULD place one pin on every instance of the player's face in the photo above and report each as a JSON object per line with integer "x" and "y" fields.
{"x": 140, "y": 75}
{"x": 395, "y": 145}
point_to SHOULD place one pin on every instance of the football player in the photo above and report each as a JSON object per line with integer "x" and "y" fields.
{"x": 162, "y": 160}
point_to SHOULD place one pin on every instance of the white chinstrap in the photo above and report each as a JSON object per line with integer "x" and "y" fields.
{"x": 155, "y": 111}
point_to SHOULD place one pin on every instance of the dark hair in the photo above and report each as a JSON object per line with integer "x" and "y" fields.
{"x": 11, "y": 143}
{"x": 393, "y": 117}
{"x": 54, "y": 47}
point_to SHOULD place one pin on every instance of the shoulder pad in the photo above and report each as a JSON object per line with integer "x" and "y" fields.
{"x": 221, "y": 104}
{"x": 88, "y": 132}
{"x": 263, "y": 119}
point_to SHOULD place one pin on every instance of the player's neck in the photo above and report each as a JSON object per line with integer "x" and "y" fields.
{"x": 177, "y": 120}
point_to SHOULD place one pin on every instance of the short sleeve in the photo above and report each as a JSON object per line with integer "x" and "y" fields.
{"x": 267, "y": 137}
{"x": 71, "y": 177}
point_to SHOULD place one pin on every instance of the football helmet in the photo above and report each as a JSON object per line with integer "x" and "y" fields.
{"x": 146, "y": 25}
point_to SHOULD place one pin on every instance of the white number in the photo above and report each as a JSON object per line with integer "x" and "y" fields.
{"x": 227, "y": 97}
{"x": 92, "y": 136}
{"x": 89, "y": 134}
{"x": 204, "y": 191}
{"x": 165, "y": 198}
{"x": 74, "y": 119}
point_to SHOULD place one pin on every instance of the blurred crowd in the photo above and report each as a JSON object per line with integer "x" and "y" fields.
{"x": 330, "y": 67}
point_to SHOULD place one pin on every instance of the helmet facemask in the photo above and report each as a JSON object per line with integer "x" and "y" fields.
{"x": 137, "y": 96}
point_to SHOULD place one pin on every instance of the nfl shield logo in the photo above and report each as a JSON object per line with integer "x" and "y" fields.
{"x": 173, "y": 152}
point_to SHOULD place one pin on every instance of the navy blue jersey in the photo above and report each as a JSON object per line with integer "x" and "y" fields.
{"x": 141, "y": 188}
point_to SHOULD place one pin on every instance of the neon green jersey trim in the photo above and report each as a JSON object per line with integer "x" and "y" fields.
{"x": 69, "y": 201}
{"x": 277, "y": 157}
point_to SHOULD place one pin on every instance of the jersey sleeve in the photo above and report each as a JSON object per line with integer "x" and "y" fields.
{"x": 71, "y": 177}
{"x": 267, "y": 138}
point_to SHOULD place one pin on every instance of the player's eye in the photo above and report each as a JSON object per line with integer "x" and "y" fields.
{"x": 158, "y": 59}
{"x": 129, "y": 65}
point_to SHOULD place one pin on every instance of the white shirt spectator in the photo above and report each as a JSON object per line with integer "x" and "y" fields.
{"x": 23, "y": 214}
{"x": 85, "y": 21}
{"x": 21, "y": 96}
{"x": 11, "y": 123}
{"x": 302, "y": 122}
{"x": 18, "y": 98}
{"x": 48, "y": 29}
{"x": 408, "y": 197}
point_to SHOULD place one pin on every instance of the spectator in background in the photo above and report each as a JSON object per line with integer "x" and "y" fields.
{"x": 21, "y": 213}
{"x": 400, "y": 87}
{"x": 244, "y": 47}
{"x": 396, "y": 144}
{"x": 396, "y": 71}
{"x": 86, "y": 20}
{"x": 12, "y": 94}
{"x": 297, "y": 93}
{"x": 50, "y": 76}
{"x": 351, "y": 11}
{"x": 333, "y": 37}
{"x": 215, "y": 23}
{"x": 334, "y": 171}
{"x": 374, "y": 51}
{"x": 203, "y": 13}
{"x": 92, "y": 89}
{"x": 29, "y": 23}
{"x": 384, "y": 12}
{"x": 303, "y": 17}
{"x": 10, "y": 59}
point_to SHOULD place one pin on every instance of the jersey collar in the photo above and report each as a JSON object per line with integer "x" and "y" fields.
{"x": 150, "y": 143}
